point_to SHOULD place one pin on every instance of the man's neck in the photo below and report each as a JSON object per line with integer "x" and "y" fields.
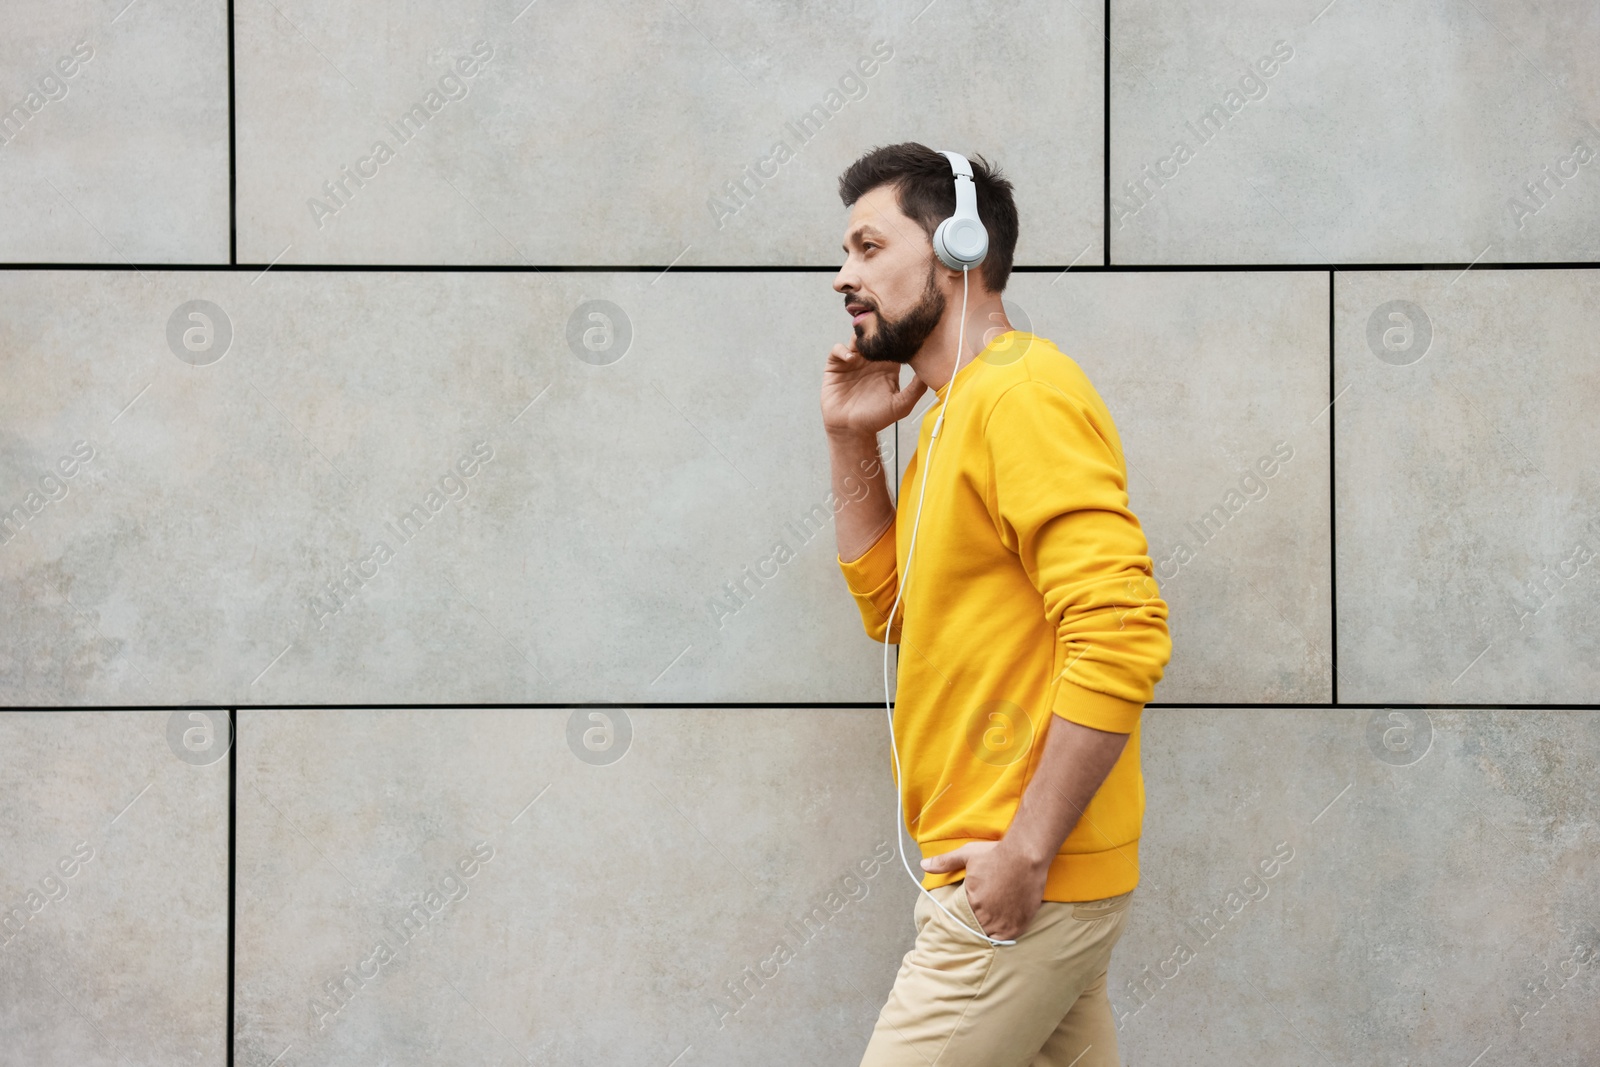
{"x": 934, "y": 362}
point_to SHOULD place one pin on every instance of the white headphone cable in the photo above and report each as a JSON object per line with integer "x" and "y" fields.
{"x": 927, "y": 469}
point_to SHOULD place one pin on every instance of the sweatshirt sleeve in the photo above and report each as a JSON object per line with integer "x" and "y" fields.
{"x": 1058, "y": 496}
{"x": 873, "y": 579}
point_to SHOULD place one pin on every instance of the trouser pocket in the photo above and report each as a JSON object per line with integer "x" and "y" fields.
{"x": 965, "y": 903}
{"x": 1090, "y": 910}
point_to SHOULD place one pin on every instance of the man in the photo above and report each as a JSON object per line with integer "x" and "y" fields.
{"x": 1031, "y": 633}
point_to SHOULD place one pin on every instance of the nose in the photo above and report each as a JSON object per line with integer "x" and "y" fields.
{"x": 846, "y": 281}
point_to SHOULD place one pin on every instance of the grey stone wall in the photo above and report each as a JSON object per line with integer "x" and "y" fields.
{"x": 402, "y": 665}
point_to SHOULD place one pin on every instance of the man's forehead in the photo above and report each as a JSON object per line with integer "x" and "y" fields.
{"x": 869, "y": 220}
{"x": 877, "y": 215}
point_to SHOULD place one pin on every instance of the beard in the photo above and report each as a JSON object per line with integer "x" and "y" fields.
{"x": 897, "y": 340}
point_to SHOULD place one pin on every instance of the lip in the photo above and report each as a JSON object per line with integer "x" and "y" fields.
{"x": 859, "y": 317}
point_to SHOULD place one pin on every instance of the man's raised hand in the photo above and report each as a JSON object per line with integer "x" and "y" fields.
{"x": 860, "y": 396}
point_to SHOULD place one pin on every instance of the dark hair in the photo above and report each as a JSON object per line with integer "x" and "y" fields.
{"x": 925, "y": 191}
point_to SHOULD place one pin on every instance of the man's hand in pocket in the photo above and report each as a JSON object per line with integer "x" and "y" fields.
{"x": 1004, "y": 887}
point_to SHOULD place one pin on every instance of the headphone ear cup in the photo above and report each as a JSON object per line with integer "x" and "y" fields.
{"x": 960, "y": 242}
{"x": 942, "y": 250}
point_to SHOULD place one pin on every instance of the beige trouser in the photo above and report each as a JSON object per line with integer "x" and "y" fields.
{"x": 962, "y": 1002}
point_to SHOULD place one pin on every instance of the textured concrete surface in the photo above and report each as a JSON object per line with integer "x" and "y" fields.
{"x": 1408, "y": 134}
{"x": 616, "y": 890}
{"x": 1218, "y": 385}
{"x": 655, "y": 528}
{"x": 1437, "y": 904}
{"x": 114, "y": 885}
{"x": 1468, "y": 496}
{"x": 599, "y": 135}
{"x": 1342, "y": 885}
{"x": 611, "y": 485}
{"x": 242, "y": 490}
{"x": 114, "y": 132}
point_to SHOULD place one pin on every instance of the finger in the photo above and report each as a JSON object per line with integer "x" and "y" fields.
{"x": 914, "y": 389}
{"x": 954, "y": 860}
{"x": 906, "y": 399}
{"x": 848, "y": 359}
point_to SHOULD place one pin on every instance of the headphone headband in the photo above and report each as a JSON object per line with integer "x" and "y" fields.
{"x": 958, "y": 164}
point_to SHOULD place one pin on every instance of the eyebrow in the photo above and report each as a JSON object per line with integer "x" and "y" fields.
{"x": 865, "y": 230}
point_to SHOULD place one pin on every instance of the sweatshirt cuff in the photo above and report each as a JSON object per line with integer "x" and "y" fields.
{"x": 867, "y": 572}
{"x": 1098, "y": 710}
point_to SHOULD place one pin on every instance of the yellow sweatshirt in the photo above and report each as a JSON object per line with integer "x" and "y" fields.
{"x": 1031, "y": 595}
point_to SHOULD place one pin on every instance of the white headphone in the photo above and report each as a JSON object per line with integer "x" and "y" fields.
{"x": 960, "y": 242}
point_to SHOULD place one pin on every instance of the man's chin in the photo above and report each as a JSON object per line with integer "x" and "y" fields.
{"x": 872, "y": 352}
{"x": 877, "y": 357}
